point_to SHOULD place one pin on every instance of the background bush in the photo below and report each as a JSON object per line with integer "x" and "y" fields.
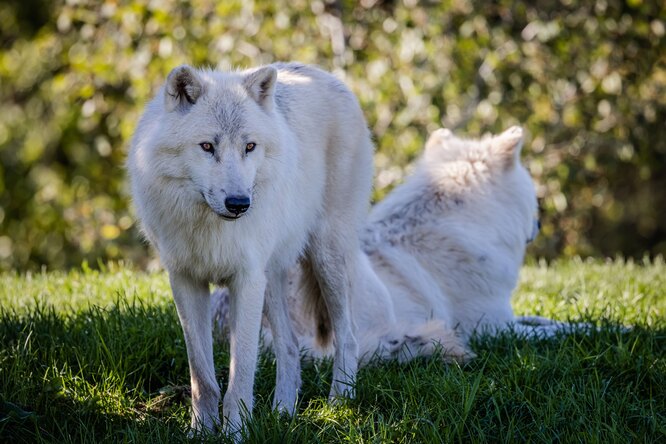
{"x": 586, "y": 79}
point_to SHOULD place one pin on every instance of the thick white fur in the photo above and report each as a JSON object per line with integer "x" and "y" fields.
{"x": 442, "y": 253}
{"x": 309, "y": 179}
{"x": 449, "y": 242}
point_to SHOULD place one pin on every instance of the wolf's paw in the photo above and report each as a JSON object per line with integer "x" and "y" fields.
{"x": 285, "y": 401}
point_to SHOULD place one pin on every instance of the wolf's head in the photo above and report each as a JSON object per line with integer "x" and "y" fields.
{"x": 490, "y": 172}
{"x": 215, "y": 133}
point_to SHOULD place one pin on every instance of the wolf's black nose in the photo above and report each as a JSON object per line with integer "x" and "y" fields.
{"x": 237, "y": 204}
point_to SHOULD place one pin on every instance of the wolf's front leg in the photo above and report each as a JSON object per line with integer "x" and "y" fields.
{"x": 192, "y": 300}
{"x": 285, "y": 344}
{"x": 246, "y": 306}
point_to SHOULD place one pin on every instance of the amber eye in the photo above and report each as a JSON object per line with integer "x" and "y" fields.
{"x": 207, "y": 147}
{"x": 250, "y": 147}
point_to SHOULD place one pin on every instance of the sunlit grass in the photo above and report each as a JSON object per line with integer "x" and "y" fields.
{"x": 89, "y": 356}
{"x": 619, "y": 291}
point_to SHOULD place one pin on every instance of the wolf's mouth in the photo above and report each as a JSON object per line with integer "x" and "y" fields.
{"x": 226, "y": 217}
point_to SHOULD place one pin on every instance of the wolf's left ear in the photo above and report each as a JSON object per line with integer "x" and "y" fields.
{"x": 437, "y": 142}
{"x": 506, "y": 146}
{"x": 438, "y": 138}
{"x": 260, "y": 85}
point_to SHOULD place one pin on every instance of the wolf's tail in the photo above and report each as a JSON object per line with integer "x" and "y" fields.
{"x": 543, "y": 328}
{"x": 314, "y": 305}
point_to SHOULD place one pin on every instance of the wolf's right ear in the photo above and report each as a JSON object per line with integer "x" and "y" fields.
{"x": 183, "y": 88}
{"x": 507, "y": 145}
{"x": 260, "y": 85}
{"x": 438, "y": 138}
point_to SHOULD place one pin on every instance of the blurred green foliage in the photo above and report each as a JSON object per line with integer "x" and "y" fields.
{"x": 586, "y": 79}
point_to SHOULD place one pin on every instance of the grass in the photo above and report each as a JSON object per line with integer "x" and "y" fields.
{"x": 89, "y": 356}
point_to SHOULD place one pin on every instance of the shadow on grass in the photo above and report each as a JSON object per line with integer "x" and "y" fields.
{"x": 121, "y": 374}
{"x": 85, "y": 376}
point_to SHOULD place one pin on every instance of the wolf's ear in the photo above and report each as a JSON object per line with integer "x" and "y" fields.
{"x": 183, "y": 88}
{"x": 438, "y": 139}
{"x": 437, "y": 147}
{"x": 260, "y": 85}
{"x": 506, "y": 146}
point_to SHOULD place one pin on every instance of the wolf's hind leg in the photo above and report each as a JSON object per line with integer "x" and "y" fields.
{"x": 285, "y": 344}
{"x": 334, "y": 268}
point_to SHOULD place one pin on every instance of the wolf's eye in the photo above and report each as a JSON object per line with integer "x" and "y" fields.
{"x": 207, "y": 147}
{"x": 250, "y": 147}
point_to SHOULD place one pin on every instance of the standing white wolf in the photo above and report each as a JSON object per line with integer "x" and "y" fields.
{"x": 234, "y": 177}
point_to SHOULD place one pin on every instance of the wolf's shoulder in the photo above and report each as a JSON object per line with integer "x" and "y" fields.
{"x": 308, "y": 95}
{"x": 302, "y": 76}
{"x": 296, "y": 67}
{"x": 300, "y": 69}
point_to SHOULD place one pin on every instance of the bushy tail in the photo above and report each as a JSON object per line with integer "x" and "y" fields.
{"x": 314, "y": 305}
{"x": 538, "y": 327}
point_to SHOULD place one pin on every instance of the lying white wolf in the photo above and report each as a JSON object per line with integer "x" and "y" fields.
{"x": 448, "y": 245}
{"x": 234, "y": 177}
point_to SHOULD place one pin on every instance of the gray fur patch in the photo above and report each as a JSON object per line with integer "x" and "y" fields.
{"x": 392, "y": 229}
{"x": 283, "y": 101}
{"x": 229, "y": 115}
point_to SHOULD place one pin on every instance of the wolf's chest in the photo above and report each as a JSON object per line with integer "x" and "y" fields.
{"x": 211, "y": 250}
{"x": 215, "y": 250}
